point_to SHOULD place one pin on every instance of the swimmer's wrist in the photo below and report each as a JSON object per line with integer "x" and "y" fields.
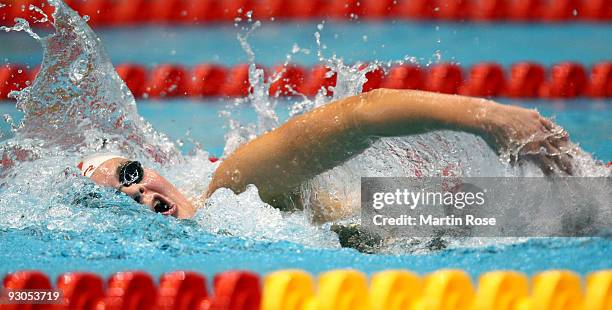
{"x": 489, "y": 122}
{"x": 482, "y": 118}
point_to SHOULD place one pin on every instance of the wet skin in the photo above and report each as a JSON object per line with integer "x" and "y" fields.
{"x": 279, "y": 161}
{"x": 154, "y": 191}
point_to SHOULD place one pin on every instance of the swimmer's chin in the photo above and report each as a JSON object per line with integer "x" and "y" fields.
{"x": 186, "y": 211}
{"x": 173, "y": 211}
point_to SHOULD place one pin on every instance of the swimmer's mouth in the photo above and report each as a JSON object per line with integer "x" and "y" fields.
{"x": 164, "y": 207}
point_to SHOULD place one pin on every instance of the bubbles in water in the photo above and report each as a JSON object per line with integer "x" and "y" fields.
{"x": 78, "y": 105}
{"x": 21, "y": 25}
{"x": 245, "y": 215}
{"x": 36, "y": 9}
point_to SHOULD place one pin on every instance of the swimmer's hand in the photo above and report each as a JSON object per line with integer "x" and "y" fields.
{"x": 282, "y": 160}
{"x": 521, "y": 134}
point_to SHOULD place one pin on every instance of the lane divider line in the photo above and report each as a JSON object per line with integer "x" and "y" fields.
{"x": 337, "y": 289}
{"x": 193, "y": 12}
{"x": 521, "y": 80}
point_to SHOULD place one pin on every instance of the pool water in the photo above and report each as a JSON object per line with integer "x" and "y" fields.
{"x": 189, "y": 120}
{"x": 39, "y": 229}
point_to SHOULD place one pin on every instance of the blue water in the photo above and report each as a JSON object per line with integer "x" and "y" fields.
{"x": 463, "y": 43}
{"x": 587, "y": 121}
{"x": 25, "y": 249}
{"x": 145, "y": 241}
{"x": 182, "y": 246}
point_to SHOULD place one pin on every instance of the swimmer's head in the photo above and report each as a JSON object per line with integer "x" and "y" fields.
{"x": 144, "y": 185}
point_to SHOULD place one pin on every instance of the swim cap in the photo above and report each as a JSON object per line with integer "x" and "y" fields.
{"x": 90, "y": 164}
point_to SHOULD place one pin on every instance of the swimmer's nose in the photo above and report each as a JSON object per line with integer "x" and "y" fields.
{"x": 137, "y": 192}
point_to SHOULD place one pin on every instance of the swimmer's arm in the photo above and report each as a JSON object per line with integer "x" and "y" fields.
{"x": 279, "y": 161}
{"x": 506, "y": 128}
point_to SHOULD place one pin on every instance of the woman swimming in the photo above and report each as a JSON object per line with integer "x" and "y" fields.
{"x": 280, "y": 161}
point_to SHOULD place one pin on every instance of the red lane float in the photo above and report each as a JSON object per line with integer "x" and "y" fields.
{"x": 444, "y": 78}
{"x": 293, "y": 289}
{"x": 307, "y": 9}
{"x": 206, "y": 80}
{"x": 236, "y": 290}
{"x": 182, "y": 290}
{"x": 525, "y": 10}
{"x": 404, "y": 77}
{"x": 375, "y": 78}
{"x": 100, "y": 12}
{"x": 452, "y": 9}
{"x": 81, "y": 290}
{"x": 130, "y": 291}
{"x": 167, "y": 81}
{"x": 489, "y": 10}
{"x": 596, "y": 10}
{"x": 416, "y": 9}
{"x": 350, "y": 9}
{"x": 135, "y": 77}
{"x": 21, "y": 9}
{"x": 232, "y": 9}
{"x": 320, "y": 77}
{"x": 130, "y": 12}
{"x": 26, "y": 280}
{"x": 600, "y": 85}
{"x": 485, "y": 80}
{"x": 378, "y": 9}
{"x": 523, "y": 80}
{"x": 123, "y": 12}
{"x": 12, "y": 77}
{"x": 268, "y": 9}
{"x": 559, "y": 10}
{"x": 289, "y": 81}
{"x": 202, "y": 11}
{"x": 567, "y": 80}
{"x": 237, "y": 83}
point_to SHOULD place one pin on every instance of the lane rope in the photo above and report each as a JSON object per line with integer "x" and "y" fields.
{"x": 336, "y": 289}
{"x": 521, "y": 80}
{"x": 136, "y": 12}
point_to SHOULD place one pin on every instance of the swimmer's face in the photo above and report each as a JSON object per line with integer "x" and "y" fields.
{"x": 153, "y": 191}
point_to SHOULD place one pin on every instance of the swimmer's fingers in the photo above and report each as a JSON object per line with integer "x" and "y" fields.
{"x": 557, "y": 145}
{"x": 556, "y": 130}
{"x": 547, "y": 165}
{"x": 548, "y": 124}
{"x": 547, "y": 157}
{"x": 561, "y": 158}
{"x": 533, "y": 152}
{"x": 564, "y": 158}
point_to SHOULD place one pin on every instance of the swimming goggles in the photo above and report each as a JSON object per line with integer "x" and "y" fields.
{"x": 130, "y": 172}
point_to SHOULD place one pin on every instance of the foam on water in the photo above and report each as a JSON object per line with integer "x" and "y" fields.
{"x": 78, "y": 105}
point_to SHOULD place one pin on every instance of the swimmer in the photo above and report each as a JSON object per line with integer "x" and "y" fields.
{"x": 279, "y": 161}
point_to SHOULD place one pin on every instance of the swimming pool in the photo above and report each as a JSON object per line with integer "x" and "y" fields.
{"x": 106, "y": 240}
